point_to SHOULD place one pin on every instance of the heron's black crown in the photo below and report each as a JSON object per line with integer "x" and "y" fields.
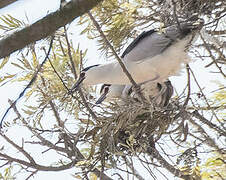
{"x": 89, "y": 67}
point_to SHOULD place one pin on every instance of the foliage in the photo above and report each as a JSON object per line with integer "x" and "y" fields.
{"x": 10, "y": 23}
{"x": 7, "y": 175}
{"x": 117, "y": 25}
{"x": 214, "y": 168}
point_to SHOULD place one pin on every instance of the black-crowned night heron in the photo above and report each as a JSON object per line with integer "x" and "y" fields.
{"x": 152, "y": 56}
{"x": 158, "y": 93}
{"x": 112, "y": 91}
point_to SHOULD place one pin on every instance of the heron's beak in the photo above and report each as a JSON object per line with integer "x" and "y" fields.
{"x": 101, "y": 98}
{"x": 79, "y": 81}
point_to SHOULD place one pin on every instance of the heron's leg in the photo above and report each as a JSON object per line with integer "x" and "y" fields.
{"x": 139, "y": 89}
{"x": 159, "y": 98}
{"x": 165, "y": 93}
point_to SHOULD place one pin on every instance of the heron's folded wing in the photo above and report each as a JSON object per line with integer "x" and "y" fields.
{"x": 149, "y": 46}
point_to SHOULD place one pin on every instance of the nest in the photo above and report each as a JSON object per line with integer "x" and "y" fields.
{"x": 132, "y": 127}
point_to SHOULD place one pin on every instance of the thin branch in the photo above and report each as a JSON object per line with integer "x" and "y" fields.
{"x": 175, "y": 15}
{"x": 206, "y": 108}
{"x": 37, "y": 166}
{"x": 189, "y": 87}
{"x": 30, "y": 83}
{"x": 138, "y": 92}
{"x": 130, "y": 165}
{"x": 209, "y": 141}
{"x": 51, "y": 64}
{"x": 212, "y": 57}
{"x": 8, "y": 162}
{"x": 32, "y": 174}
{"x": 43, "y": 140}
{"x": 27, "y": 155}
{"x": 208, "y": 123}
{"x": 120, "y": 177}
{"x": 56, "y": 148}
{"x": 69, "y": 54}
{"x": 148, "y": 169}
{"x": 165, "y": 164}
{"x": 75, "y": 75}
{"x": 56, "y": 114}
{"x": 86, "y": 104}
{"x": 204, "y": 96}
{"x": 216, "y": 32}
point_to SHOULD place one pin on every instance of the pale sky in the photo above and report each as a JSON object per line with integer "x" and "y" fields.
{"x": 36, "y": 9}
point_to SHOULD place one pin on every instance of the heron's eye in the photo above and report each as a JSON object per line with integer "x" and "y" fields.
{"x": 106, "y": 89}
{"x": 82, "y": 74}
{"x": 103, "y": 87}
{"x": 130, "y": 90}
{"x": 159, "y": 86}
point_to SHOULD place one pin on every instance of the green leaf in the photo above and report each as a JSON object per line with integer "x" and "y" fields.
{"x": 35, "y": 61}
{"x": 5, "y": 60}
{"x": 28, "y": 112}
{"x": 10, "y": 22}
{"x": 17, "y": 65}
{"x": 77, "y": 176}
{"x": 7, "y": 77}
{"x": 25, "y": 62}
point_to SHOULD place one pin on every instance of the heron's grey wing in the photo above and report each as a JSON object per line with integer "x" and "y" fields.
{"x": 148, "y": 47}
{"x": 152, "y": 43}
{"x": 136, "y": 41}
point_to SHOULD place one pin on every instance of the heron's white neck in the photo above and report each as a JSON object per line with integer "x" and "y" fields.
{"x": 110, "y": 73}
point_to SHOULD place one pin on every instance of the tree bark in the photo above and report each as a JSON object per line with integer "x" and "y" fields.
{"x": 4, "y": 3}
{"x": 46, "y": 26}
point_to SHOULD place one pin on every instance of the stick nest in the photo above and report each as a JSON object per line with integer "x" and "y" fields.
{"x": 131, "y": 127}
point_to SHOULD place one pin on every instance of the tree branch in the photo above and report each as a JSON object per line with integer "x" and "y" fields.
{"x": 155, "y": 154}
{"x": 37, "y": 166}
{"x": 43, "y": 140}
{"x": 30, "y": 83}
{"x": 205, "y": 98}
{"x": 137, "y": 91}
{"x": 4, "y": 3}
{"x": 212, "y": 57}
{"x": 130, "y": 165}
{"x": 73, "y": 69}
{"x": 208, "y": 140}
{"x": 46, "y": 26}
{"x": 208, "y": 123}
{"x": 56, "y": 148}
{"x": 27, "y": 155}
